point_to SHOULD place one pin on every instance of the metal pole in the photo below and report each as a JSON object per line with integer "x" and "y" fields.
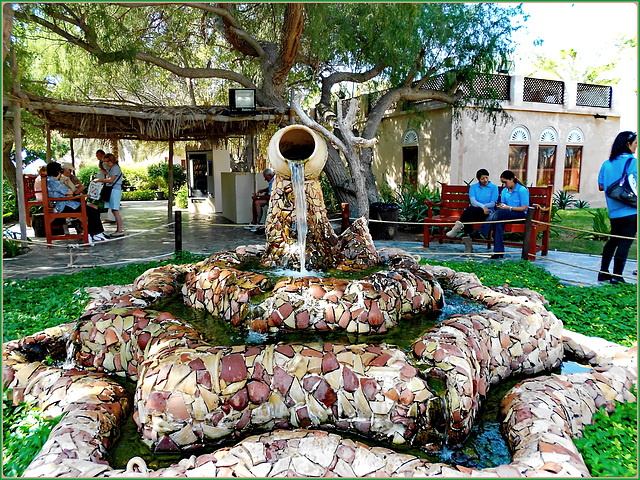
{"x": 528, "y": 231}
{"x": 178, "y": 231}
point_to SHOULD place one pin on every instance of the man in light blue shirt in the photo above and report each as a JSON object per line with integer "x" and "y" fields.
{"x": 482, "y": 196}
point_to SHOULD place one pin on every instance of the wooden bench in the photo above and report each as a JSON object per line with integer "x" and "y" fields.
{"x": 455, "y": 199}
{"x": 50, "y": 216}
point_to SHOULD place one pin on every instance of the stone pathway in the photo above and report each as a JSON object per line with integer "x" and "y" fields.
{"x": 209, "y": 234}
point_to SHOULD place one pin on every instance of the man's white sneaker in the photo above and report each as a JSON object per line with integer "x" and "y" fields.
{"x": 453, "y": 233}
{"x": 90, "y": 240}
{"x": 99, "y": 238}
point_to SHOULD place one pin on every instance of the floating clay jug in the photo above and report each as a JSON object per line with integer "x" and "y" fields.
{"x": 323, "y": 248}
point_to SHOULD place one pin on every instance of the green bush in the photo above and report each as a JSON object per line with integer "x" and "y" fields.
{"x": 85, "y": 174}
{"x": 601, "y": 224}
{"x": 25, "y": 429}
{"x": 563, "y": 200}
{"x": 411, "y": 202}
{"x": 138, "y": 177}
{"x": 139, "y": 195}
{"x": 182, "y": 197}
{"x": 11, "y": 248}
{"x": 330, "y": 199}
{"x": 386, "y": 192}
{"x": 159, "y": 175}
{"x": 9, "y": 205}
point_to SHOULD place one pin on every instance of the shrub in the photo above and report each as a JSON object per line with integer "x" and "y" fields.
{"x": 386, "y": 192}
{"x": 411, "y": 202}
{"x": 9, "y": 205}
{"x": 139, "y": 195}
{"x": 582, "y": 204}
{"x": 330, "y": 199}
{"x": 159, "y": 175}
{"x": 182, "y": 197}
{"x": 138, "y": 177}
{"x": 11, "y": 248}
{"x": 85, "y": 174}
{"x": 563, "y": 200}
{"x": 601, "y": 224}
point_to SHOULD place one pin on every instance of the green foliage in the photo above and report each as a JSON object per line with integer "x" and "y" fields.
{"x": 563, "y": 199}
{"x": 601, "y": 224}
{"x": 182, "y": 197}
{"x": 9, "y": 205}
{"x": 158, "y": 173}
{"x": 330, "y": 199}
{"x": 25, "y": 429}
{"x": 612, "y": 309}
{"x": 139, "y": 195}
{"x": 138, "y": 177}
{"x": 386, "y": 192}
{"x": 411, "y": 202}
{"x": 610, "y": 446}
{"x": 85, "y": 174}
{"x": 581, "y": 204}
{"x": 11, "y": 248}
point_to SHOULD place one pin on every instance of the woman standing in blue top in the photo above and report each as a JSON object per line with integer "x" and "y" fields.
{"x": 623, "y": 217}
{"x": 514, "y": 203}
{"x": 483, "y": 197}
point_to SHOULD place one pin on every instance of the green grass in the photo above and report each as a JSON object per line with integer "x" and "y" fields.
{"x": 567, "y": 241}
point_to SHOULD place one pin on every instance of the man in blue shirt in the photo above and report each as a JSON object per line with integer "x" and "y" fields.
{"x": 483, "y": 197}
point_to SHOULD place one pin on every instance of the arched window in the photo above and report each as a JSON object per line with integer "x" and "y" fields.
{"x": 547, "y": 157}
{"x": 410, "y": 158}
{"x": 519, "y": 151}
{"x": 573, "y": 161}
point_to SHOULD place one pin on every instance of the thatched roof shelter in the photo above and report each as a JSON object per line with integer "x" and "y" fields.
{"x": 151, "y": 123}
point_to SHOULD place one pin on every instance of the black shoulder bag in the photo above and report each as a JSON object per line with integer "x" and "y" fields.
{"x": 621, "y": 190}
{"x": 105, "y": 193}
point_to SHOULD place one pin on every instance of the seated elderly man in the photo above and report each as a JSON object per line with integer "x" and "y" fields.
{"x": 261, "y": 198}
{"x": 70, "y": 180}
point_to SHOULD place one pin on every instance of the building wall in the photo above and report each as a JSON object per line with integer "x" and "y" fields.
{"x": 434, "y": 146}
{"x": 446, "y": 157}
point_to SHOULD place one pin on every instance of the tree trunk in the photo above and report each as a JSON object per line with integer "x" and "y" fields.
{"x": 340, "y": 179}
{"x": 8, "y": 168}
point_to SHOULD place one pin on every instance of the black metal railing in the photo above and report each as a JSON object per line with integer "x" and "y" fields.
{"x": 543, "y": 91}
{"x": 589, "y": 95}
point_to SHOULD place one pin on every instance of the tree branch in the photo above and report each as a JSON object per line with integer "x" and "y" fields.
{"x": 316, "y": 126}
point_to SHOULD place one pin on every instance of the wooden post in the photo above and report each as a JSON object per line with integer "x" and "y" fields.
{"x": 178, "y": 231}
{"x": 170, "y": 182}
{"x": 345, "y": 212}
{"x": 17, "y": 133}
{"x": 73, "y": 157}
{"x": 528, "y": 231}
{"x": 48, "y": 142}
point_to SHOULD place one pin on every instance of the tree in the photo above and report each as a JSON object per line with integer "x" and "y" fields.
{"x": 401, "y": 48}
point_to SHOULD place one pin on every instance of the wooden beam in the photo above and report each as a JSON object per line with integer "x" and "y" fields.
{"x": 17, "y": 135}
{"x": 170, "y": 182}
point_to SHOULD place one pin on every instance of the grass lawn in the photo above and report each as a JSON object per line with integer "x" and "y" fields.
{"x": 567, "y": 241}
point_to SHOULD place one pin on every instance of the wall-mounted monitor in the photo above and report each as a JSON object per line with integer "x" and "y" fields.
{"x": 242, "y": 99}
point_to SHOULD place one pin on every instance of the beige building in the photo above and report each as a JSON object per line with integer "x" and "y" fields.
{"x": 559, "y": 133}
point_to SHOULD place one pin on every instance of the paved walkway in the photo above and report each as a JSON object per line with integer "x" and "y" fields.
{"x": 208, "y": 234}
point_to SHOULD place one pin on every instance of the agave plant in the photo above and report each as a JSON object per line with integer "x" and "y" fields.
{"x": 601, "y": 224}
{"x": 563, "y": 200}
{"x": 582, "y": 204}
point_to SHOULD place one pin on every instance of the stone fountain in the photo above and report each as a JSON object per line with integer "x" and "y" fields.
{"x": 297, "y": 398}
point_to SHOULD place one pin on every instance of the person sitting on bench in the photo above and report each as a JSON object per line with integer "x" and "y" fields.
{"x": 483, "y": 197}
{"x": 261, "y": 198}
{"x": 56, "y": 189}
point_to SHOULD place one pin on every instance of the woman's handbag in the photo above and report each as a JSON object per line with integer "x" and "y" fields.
{"x": 622, "y": 190}
{"x": 94, "y": 190}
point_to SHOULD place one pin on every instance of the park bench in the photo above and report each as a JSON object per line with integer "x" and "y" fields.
{"x": 55, "y": 230}
{"x": 455, "y": 198}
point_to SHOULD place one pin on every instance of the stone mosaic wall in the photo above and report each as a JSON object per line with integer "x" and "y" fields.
{"x": 350, "y": 387}
{"x": 282, "y": 233}
{"x": 517, "y": 335}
